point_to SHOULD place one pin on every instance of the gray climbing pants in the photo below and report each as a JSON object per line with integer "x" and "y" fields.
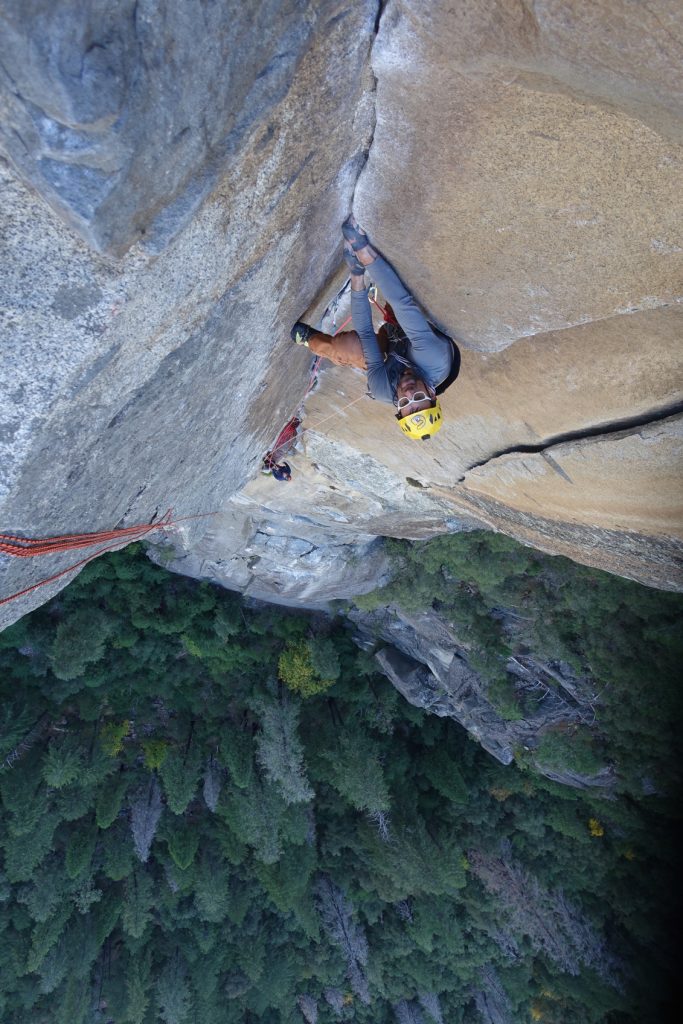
{"x": 431, "y": 354}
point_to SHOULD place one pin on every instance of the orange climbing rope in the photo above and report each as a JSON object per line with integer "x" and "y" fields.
{"x": 25, "y": 547}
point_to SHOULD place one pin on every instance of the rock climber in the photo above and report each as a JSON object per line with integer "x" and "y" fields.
{"x": 411, "y": 363}
{"x": 281, "y": 471}
{"x": 273, "y": 464}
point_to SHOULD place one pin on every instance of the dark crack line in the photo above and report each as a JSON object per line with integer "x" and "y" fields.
{"x": 381, "y": 6}
{"x": 626, "y": 425}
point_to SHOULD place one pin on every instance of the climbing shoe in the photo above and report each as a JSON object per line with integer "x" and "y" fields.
{"x": 301, "y": 332}
{"x": 353, "y": 233}
{"x": 352, "y": 261}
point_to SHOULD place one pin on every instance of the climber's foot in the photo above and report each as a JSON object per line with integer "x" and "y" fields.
{"x": 360, "y": 243}
{"x": 351, "y": 260}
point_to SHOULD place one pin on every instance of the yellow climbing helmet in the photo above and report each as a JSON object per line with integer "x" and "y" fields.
{"x": 422, "y": 424}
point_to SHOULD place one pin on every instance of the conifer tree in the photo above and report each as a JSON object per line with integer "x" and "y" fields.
{"x": 325, "y": 658}
{"x": 279, "y": 750}
{"x": 116, "y": 852}
{"x": 63, "y": 762}
{"x": 106, "y": 914}
{"x": 137, "y": 987}
{"x": 45, "y": 891}
{"x": 237, "y": 752}
{"x": 145, "y": 812}
{"x": 256, "y": 816}
{"x": 209, "y": 1000}
{"x": 173, "y": 992}
{"x": 46, "y": 934}
{"x": 24, "y": 852}
{"x": 53, "y": 970}
{"x": 356, "y": 772}
{"x": 180, "y": 775}
{"x": 444, "y": 775}
{"x": 80, "y": 848}
{"x": 138, "y": 903}
{"x": 74, "y": 1005}
{"x": 212, "y": 887}
{"x": 110, "y": 800}
{"x": 79, "y": 640}
{"x": 213, "y": 781}
{"x": 287, "y": 883}
{"x": 183, "y": 839}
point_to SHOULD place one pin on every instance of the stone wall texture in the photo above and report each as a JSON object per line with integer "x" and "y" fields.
{"x": 172, "y": 182}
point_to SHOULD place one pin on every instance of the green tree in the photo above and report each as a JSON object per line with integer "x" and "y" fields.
{"x": 279, "y": 750}
{"x": 116, "y": 852}
{"x": 110, "y": 800}
{"x": 138, "y": 903}
{"x": 356, "y": 772}
{"x": 237, "y": 753}
{"x": 80, "y": 848}
{"x": 444, "y": 775}
{"x": 297, "y": 668}
{"x": 46, "y": 934}
{"x": 79, "y": 640}
{"x": 63, "y": 762}
{"x": 183, "y": 839}
{"x": 212, "y": 887}
{"x": 173, "y": 993}
{"x": 180, "y": 776}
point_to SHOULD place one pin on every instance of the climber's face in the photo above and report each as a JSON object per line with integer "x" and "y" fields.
{"x": 408, "y": 386}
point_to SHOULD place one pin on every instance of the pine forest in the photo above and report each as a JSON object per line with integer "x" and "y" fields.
{"x": 221, "y": 812}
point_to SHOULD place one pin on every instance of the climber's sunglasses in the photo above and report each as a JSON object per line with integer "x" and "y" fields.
{"x": 419, "y": 396}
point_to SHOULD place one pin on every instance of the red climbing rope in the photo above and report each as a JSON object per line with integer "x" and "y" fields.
{"x": 25, "y": 547}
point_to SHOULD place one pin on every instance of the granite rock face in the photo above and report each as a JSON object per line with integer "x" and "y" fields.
{"x": 424, "y": 658}
{"x": 126, "y": 116}
{"x": 525, "y": 173}
{"x": 174, "y": 180}
{"x": 131, "y": 383}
